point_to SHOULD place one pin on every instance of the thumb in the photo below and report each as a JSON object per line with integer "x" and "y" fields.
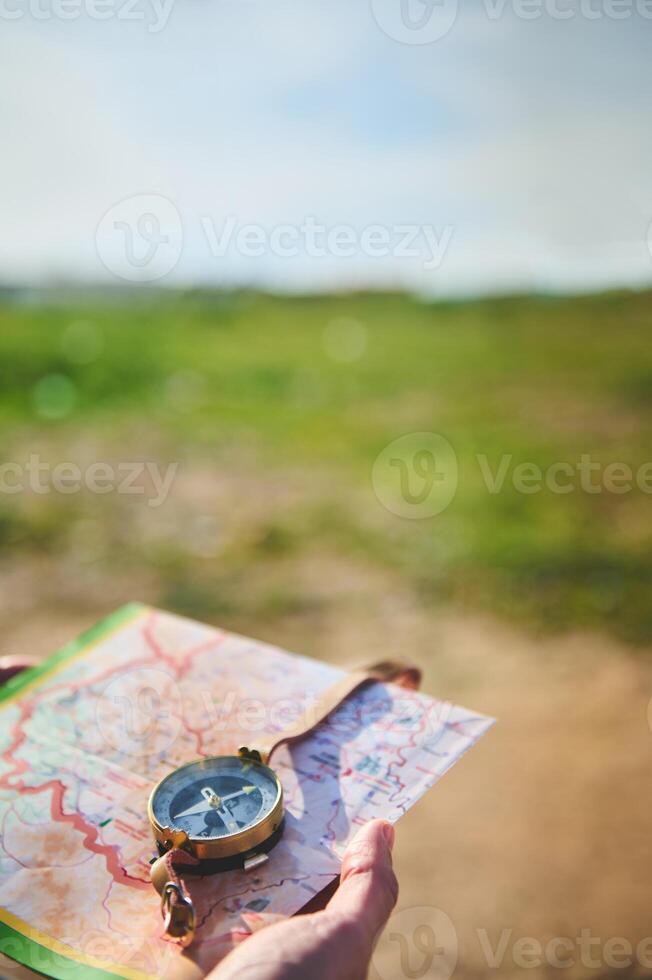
{"x": 368, "y": 886}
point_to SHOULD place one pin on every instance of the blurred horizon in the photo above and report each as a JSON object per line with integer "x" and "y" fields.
{"x": 70, "y": 293}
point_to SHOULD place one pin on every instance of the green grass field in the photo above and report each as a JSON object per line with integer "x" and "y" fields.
{"x": 293, "y": 394}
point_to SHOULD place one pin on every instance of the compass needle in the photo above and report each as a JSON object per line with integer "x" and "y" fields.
{"x": 192, "y": 810}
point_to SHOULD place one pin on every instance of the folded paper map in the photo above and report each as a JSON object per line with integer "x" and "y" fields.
{"x": 84, "y": 737}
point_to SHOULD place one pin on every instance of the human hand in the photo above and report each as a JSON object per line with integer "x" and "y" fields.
{"x": 335, "y": 943}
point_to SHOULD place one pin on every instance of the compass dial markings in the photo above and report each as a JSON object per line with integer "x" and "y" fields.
{"x": 215, "y": 798}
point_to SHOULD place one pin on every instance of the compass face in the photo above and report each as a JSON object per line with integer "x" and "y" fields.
{"x": 216, "y": 798}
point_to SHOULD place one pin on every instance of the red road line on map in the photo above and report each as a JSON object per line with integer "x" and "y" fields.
{"x": 402, "y": 761}
{"x": 108, "y": 851}
{"x": 26, "y": 711}
{"x": 20, "y": 766}
{"x": 178, "y": 666}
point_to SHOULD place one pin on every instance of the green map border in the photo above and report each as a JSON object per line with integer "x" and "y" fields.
{"x": 14, "y": 944}
{"x": 28, "y": 952}
{"x": 18, "y": 682}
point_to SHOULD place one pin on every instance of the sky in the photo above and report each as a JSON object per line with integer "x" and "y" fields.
{"x": 449, "y": 148}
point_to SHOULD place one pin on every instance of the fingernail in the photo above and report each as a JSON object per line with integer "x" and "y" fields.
{"x": 388, "y": 834}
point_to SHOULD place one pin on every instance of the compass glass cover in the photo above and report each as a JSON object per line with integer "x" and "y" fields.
{"x": 216, "y": 797}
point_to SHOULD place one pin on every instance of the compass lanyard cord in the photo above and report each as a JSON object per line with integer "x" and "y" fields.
{"x": 384, "y": 672}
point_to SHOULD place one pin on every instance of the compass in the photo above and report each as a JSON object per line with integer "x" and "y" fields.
{"x": 218, "y": 809}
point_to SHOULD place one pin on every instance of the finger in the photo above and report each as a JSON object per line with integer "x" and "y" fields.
{"x": 10, "y": 666}
{"x": 368, "y": 887}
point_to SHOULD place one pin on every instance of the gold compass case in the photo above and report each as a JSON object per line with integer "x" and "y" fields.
{"x": 236, "y": 848}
